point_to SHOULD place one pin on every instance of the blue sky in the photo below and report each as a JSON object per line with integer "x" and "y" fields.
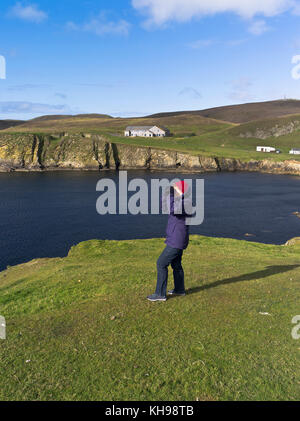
{"x": 135, "y": 57}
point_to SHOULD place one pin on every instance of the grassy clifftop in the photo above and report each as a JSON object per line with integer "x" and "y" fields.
{"x": 80, "y": 328}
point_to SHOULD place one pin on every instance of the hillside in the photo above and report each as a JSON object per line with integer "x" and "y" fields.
{"x": 181, "y": 125}
{"x": 243, "y": 112}
{"x": 5, "y": 124}
{"x": 52, "y": 117}
{"x": 181, "y": 122}
{"x": 268, "y": 127}
{"x": 80, "y": 328}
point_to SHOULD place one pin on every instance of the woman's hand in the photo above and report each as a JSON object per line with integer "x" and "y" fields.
{"x": 177, "y": 190}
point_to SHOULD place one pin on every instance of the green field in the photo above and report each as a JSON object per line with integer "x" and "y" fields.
{"x": 225, "y": 140}
{"x": 220, "y": 144}
{"x": 80, "y": 328}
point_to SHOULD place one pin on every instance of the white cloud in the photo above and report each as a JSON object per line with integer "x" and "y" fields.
{"x": 60, "y": 95}
{"x": 236, "y": 42}
{"x": 30, "y": 13}
{"x": 190, "y": 92}
{"x": 27, "y": 86}
{"x": 201, "y": 43}
{"x": 124, "y": 114}
{"x": 100, "y": 25}
{"x": 240, "y": 90}
{"x": 159, "y": 12}
{"x": 296, "y": 10}
{"x": 204, "y": 43}
{"x": 2, "y": 67}
{"x": 258, "y": 27}
{"x": 16, "y": 107}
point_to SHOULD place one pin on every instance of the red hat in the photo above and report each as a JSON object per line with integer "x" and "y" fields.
{"x": 182, "y": 186}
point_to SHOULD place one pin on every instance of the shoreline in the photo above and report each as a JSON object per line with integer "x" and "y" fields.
{"x": 244, "y": 169}
{"x": 295, "y": 241}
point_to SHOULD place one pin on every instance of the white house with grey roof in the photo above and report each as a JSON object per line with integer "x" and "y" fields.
{"x": 295, "y": 152}
{"x": 265, "y": 149}
{"x": 146, "y": 131}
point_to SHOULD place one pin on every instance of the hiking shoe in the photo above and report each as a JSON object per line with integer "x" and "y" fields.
{"x": 155, "y": 297}
{"x": 173, "y": 292}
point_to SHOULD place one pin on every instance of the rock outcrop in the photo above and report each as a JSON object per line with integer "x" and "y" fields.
{"x": 293, "y": 242}
{"x": 36, "y": 152}
{"x": 275, "y": 131}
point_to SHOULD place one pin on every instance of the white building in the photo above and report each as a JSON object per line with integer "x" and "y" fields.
{"x": 265, "y": 149}
{"x": 295, "y": 151}
{"x": 146, "y": 131}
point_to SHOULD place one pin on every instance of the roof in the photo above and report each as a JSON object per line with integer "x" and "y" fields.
{"x": 296, "y": 150}
{"x": 139, "y": 127}
{"x": 145, "y": 127}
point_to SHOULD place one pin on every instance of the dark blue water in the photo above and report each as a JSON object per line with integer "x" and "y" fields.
{"x": 44, "y": 214}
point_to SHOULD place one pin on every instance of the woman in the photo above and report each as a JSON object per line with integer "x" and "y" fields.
{"x": 177, "y": 240}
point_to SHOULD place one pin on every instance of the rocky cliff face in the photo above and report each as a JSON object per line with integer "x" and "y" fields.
{"x": 293, "y": 242}
{"x": 92, "y": 152}
{"x": 275, "y": 131}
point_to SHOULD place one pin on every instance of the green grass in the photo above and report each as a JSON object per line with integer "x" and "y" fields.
{"x": 99, "y": 339}
{"x": 220, "y": 144}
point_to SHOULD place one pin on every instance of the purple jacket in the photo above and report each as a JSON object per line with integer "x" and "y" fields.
{"x": 177, "y": 230}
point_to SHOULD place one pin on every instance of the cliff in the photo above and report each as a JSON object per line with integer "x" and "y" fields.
{"x": 275, "y": 131}
{"x": 36, "y": 152}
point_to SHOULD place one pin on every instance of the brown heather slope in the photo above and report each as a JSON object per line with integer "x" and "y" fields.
{"x": 184, "y": 124}
{"x": 5, "y": 124}
{"x": 234, "y": 114}
{"x": 243, "y": 113}
{"x": 66, "y": 117}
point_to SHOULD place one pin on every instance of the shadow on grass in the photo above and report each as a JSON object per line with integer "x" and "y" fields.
{"x": 269, "y": 271}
